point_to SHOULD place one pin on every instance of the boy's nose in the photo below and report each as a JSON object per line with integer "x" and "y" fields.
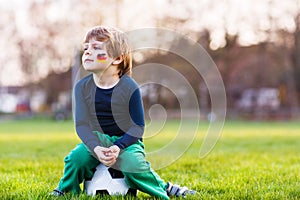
{"x": 87, "y": 52}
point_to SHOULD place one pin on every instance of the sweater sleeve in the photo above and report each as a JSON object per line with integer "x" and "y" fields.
{"x": 136, "y": 131}
{"x": 82, "y": 119}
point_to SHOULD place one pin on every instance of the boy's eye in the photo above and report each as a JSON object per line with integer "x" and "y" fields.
{"x": 94, "y": 47}
{"x": 85, "y": 47}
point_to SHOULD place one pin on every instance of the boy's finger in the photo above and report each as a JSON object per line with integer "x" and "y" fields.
{"x": 106, "y": 158}
{"x": 107, "y": 152}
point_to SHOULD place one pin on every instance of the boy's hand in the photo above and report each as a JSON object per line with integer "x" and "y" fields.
{"x": 114, "y": 151}
{"x": 107, "y": 156}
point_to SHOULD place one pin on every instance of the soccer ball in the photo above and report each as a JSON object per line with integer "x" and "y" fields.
{"x": 107, "y": 180}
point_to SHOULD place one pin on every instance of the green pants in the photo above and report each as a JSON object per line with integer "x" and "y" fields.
{"x": 80, "y": 165}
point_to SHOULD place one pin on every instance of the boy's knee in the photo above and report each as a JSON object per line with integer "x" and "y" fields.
{"x": 134, "y": 163}
{"x": 77, "y": 158}
{"x": 72, "y": 159}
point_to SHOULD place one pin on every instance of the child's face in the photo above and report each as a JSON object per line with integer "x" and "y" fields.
{"x": 95, "y": 57}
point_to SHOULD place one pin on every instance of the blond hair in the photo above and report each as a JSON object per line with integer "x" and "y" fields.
{"x": 116, "y": 44}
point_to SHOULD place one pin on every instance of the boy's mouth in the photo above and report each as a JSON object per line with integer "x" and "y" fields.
{"x": 88, "y": 60}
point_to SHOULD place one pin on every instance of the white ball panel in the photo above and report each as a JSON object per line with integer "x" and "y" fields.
{"x": 102, "y": 180}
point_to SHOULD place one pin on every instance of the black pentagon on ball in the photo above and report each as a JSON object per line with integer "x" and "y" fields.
{"x": 102, "y": 192}
{"x": 115, "y": 173}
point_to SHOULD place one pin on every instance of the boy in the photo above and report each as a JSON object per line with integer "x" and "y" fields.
{"x": 109, "y": 119}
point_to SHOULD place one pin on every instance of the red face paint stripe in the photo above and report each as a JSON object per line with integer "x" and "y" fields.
{"x": 101, "y": 56}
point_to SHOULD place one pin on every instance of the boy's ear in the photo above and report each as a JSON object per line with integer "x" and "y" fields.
{"x": 118, "y": 60}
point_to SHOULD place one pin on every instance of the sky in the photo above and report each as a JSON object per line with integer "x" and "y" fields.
{"x": 250, "y": 19}
{"x": 241, "y": 15}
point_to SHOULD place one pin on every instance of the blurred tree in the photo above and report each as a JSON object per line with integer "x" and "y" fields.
{"x": 44, "y": 38}
{"x": 295, "y": 55}
{"x": 226, "y": 56}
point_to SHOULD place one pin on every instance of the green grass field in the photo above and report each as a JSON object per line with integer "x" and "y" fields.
{"x": 252, "y": 160}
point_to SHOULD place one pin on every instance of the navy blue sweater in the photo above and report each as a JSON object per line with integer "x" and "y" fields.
{"x": 117, "y": 111}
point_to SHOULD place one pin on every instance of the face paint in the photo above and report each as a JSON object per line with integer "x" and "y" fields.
{"x": 101, "y": 57}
